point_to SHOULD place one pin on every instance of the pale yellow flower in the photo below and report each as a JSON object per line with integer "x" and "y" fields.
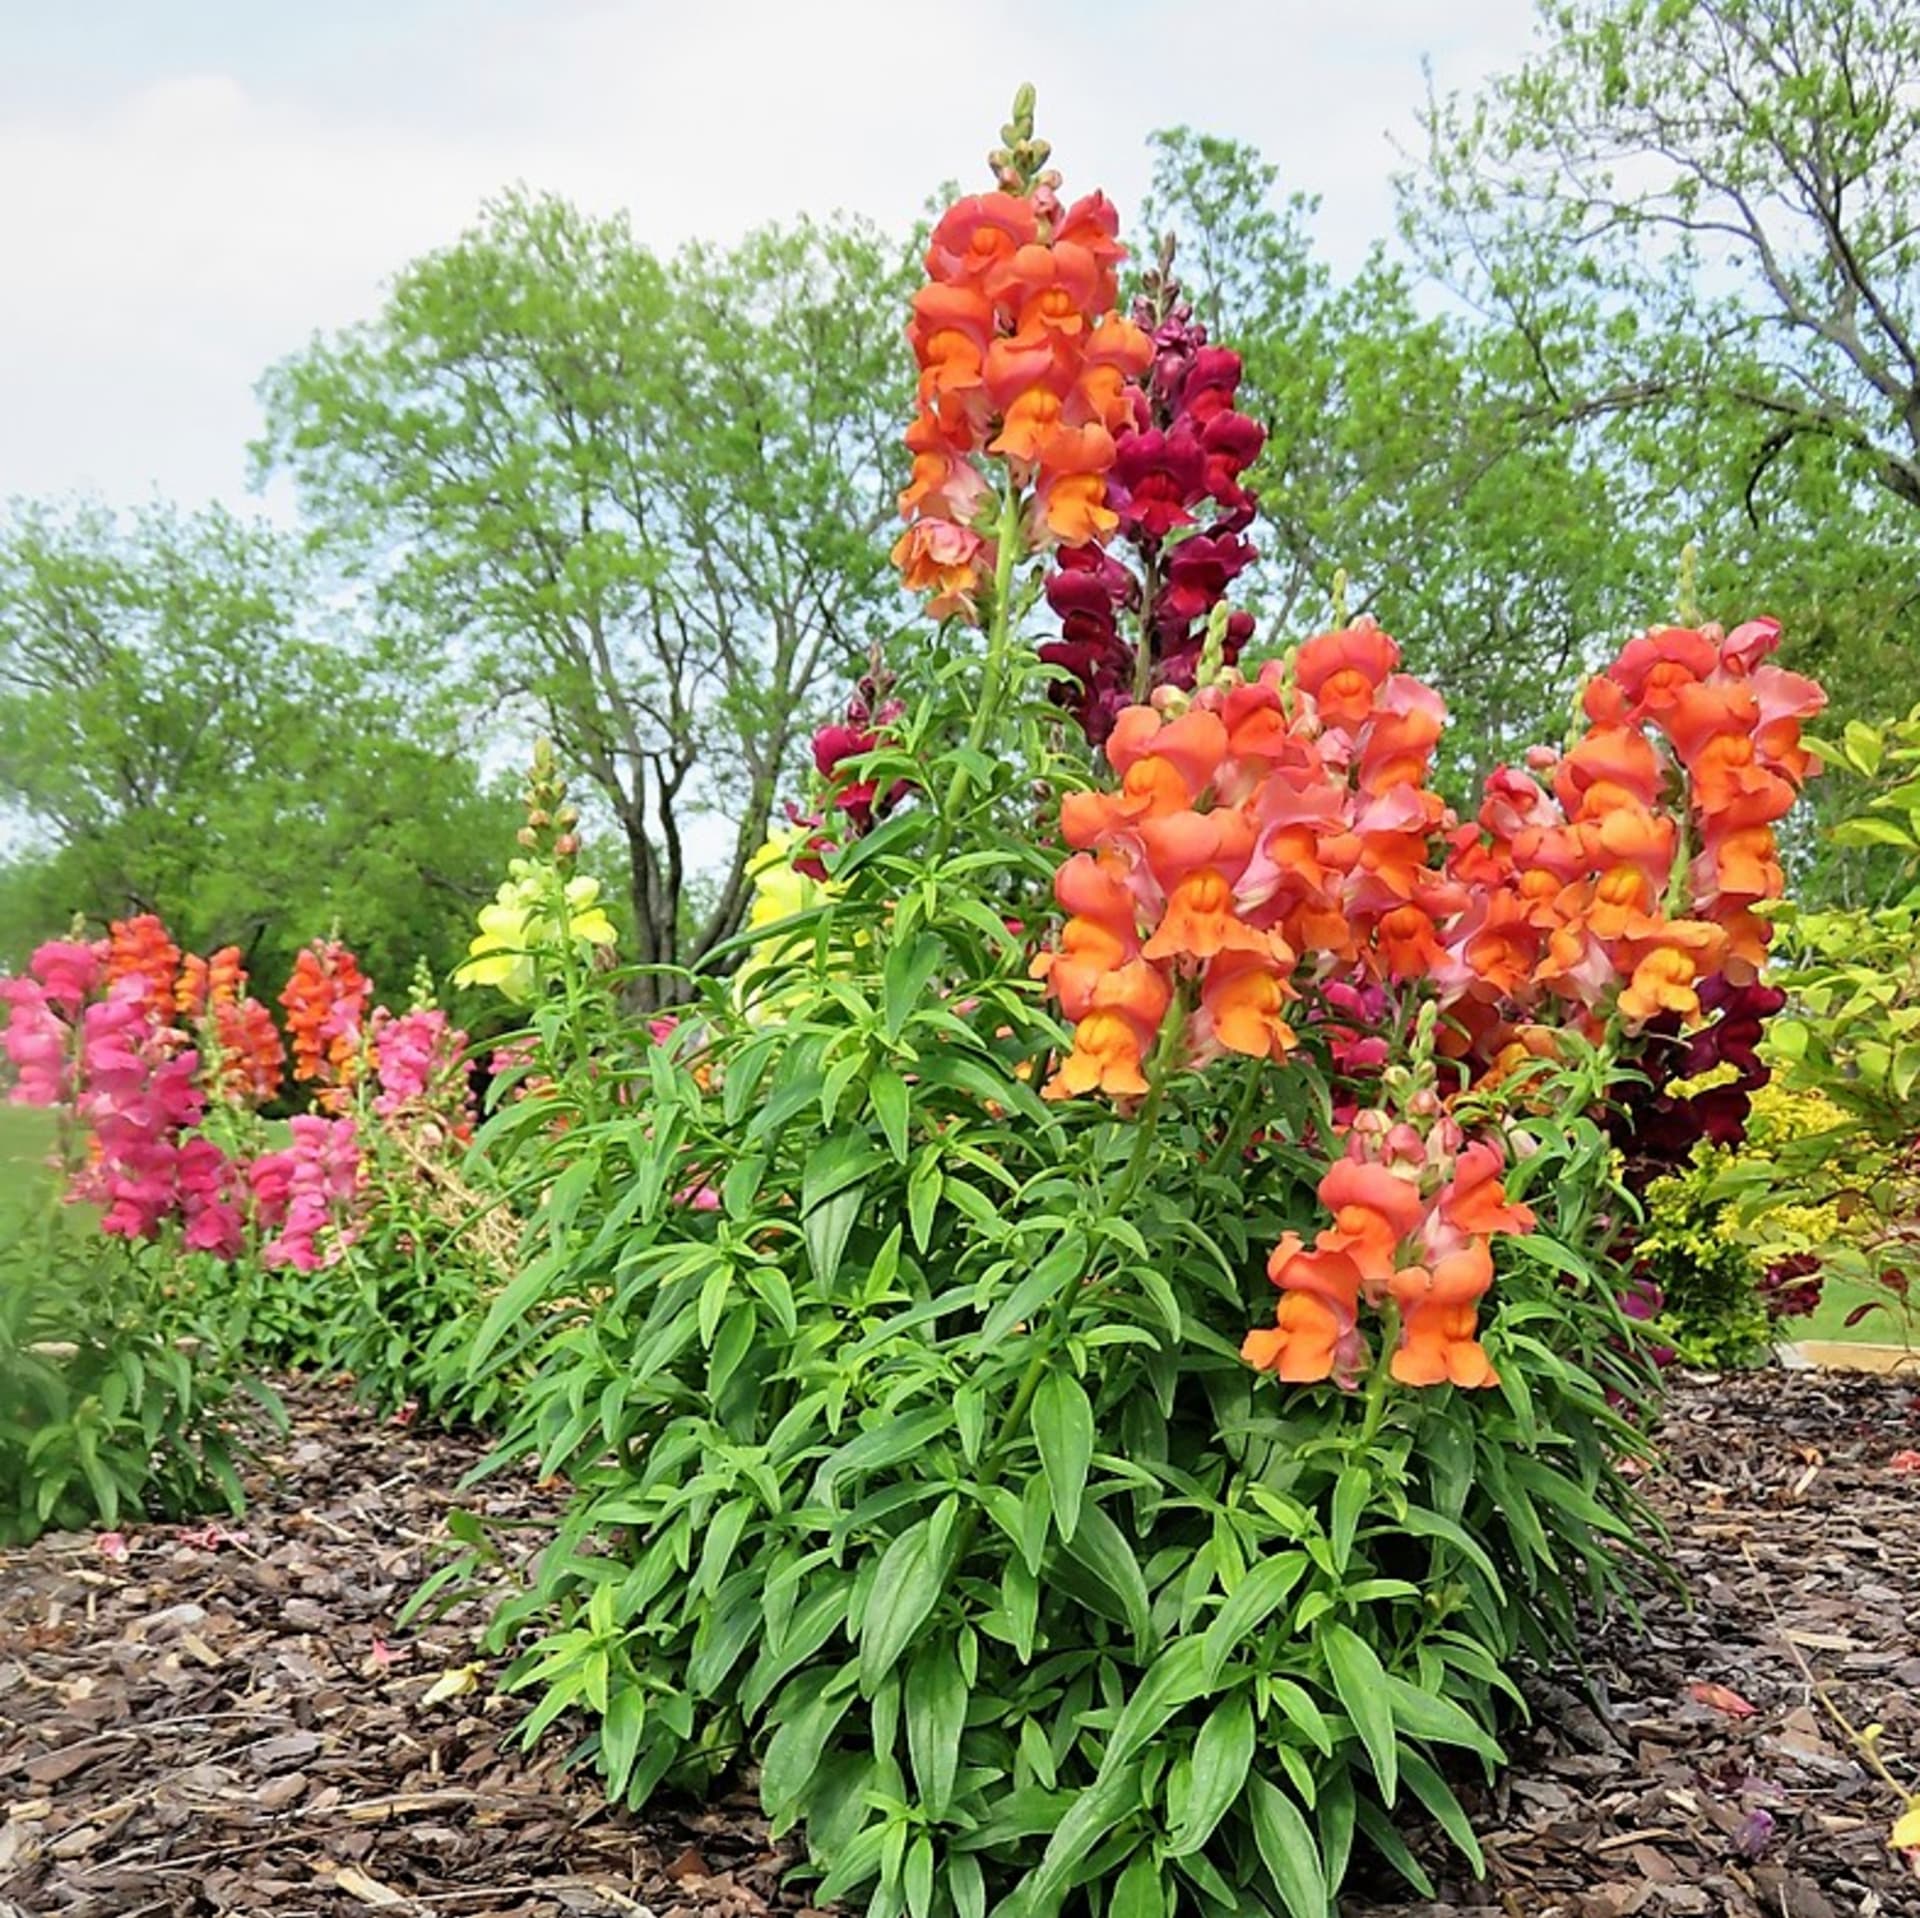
{"x": 522, "y": 929}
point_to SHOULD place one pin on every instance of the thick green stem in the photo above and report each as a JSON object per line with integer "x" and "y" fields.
{"x": 1381, "y": 1376}
{"x": 1240, "y": 1127}
{"x": 1000, "y": 627}
{"x": 993, "y": 674}
{"x": 1160, "y": 1068}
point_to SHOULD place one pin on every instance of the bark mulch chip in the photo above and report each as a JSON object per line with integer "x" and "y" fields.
{"x": 227, "y": 1719}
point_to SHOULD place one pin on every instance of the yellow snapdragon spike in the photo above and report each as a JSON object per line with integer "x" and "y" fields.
{"x": 780, "y": 891}
{"x": 524, "y": 923}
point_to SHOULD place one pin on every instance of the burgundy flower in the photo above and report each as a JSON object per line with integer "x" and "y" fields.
{"x": 1175, "y": 484}
{"x": 1160, "y": 475}
{"x": 1211, "y": 383}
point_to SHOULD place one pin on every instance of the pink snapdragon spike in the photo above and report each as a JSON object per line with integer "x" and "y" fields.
{"x": 323, "y": 1179}
{"x": 39, "y": 1044}
{"x": 420, "y": 1063}
{"x": 138, "y": 1097}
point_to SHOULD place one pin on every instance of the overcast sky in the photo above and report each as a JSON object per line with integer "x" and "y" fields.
{"x": 190, "y": 188}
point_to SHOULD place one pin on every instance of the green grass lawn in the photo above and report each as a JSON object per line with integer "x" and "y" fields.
{"x": 1840, "y": 1298}
{"x": 26, "y": 1137}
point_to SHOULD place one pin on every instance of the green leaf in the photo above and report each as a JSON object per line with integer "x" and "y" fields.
{"x": 1297, "y": 1702}
{"x": 1288, "y": 1849}
{"x": 887, "y": 1094}
{"x": 1350, "y": 1496}
{"x": 620, "y": 1733}
{"x": 1222, "y": 1757}
{"x": 1436, "y": 1794}
{"x": 1864, "y": 745}
{"x": 906, "y": 1588}
{"x": 1387, "y": 1841}
{"x": 1424, "y": 1714}
{"x": 1359, "y": 1682}
{"x": 966, "y": 1886}
{"x": 904, "y": 980}
{"x": 1094, "y": 1813}
{"x": 1174, "y": 1679}
{"x": 936, "y": 1709}
{"x": 1062, "y": 1419}
{"x": 917, "y": 1878}
{"x": 1140, "y": 1892}
{"x": 885, "y": 1442}
{"x": 1262, "y": 1589}
{"x": 923, "y": 1196}
{"x": 793, "y": 1753}
{"x": 834, "y": 1165}
{"x": 1100, "y": 1546}
{"x": 1065, "y": 1264}
{"x": 1868, "y": 830}
{"x": 826, "y": 1230}
{"x": 1335, "y": 1815}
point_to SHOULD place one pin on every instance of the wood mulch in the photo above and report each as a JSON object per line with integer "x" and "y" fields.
{"x": 227, "y": 1719}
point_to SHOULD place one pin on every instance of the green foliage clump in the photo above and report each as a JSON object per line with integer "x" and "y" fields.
{"x": 1705, "y": 1268}
{"x": 912, "y": 1451}
{"x": 109, "y": 1409}
{"x": 1850, "y": 1041}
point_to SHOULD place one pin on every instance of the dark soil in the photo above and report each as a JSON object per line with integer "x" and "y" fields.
{"x": 231, "y": 1721}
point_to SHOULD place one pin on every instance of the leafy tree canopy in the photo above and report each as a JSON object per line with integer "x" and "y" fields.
{"x": 178, "y": 734}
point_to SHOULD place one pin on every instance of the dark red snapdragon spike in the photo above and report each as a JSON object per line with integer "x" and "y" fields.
{"x": 1658, "y": 1131}
{"x": 870, "y": 714}
{"x": 1790, "y": 1288}
{"x": 1176, "y": 485}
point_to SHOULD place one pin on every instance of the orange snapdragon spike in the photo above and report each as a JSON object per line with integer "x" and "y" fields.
{"x": 1438, "y": 1320}
{"x": 1244, "y": 997}
{"x": 140, "y": 948}
{"x": 1023, "y": 359}
{"x": 252, "y": 1056}
{"x": 326, "y": 1000}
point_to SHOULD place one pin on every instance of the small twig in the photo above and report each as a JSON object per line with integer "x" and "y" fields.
{"x": 1867, "y": 1747}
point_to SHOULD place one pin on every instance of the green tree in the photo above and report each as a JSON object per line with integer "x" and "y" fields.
{"x": 179, "y": 734}
{"x": 1694, "y": 228}
{"x": 643, "y": 498}
{"x": 1498, "y": 556}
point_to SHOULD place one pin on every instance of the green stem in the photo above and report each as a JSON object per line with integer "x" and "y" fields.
{"x": 1381, "y": 1376}
{"x": 1000, "y": 627}
{"x": 993, "y": 675}
{"x": 1143, "y": 656}
{"x": 1240, "y": 1126}
{"x": 1675, "y": 903}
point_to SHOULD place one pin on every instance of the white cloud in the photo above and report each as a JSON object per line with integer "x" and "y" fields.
{"x": 164, "y": 245}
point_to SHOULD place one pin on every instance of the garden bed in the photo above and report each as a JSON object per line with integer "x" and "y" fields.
{"x": 220, "y": 1722}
